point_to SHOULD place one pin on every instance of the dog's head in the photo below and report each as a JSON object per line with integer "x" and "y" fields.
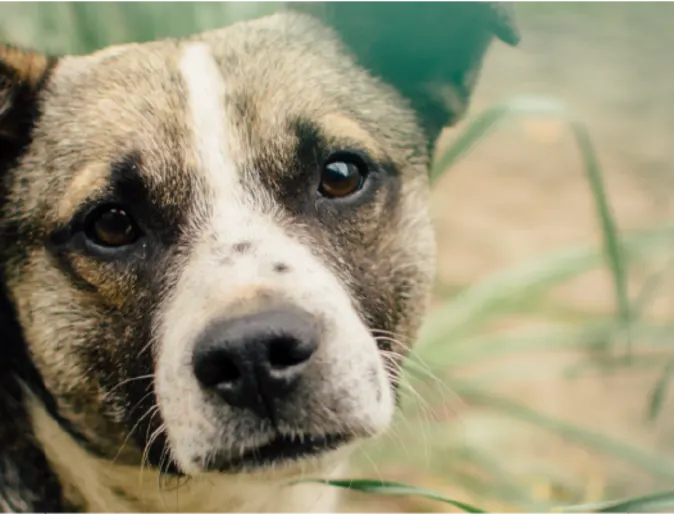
{"x": 217, "y": 249}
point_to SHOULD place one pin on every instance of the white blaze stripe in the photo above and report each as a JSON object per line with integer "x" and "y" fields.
{"x": 211, "y": 132}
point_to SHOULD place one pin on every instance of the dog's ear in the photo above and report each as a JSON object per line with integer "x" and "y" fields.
{"x": 23, "y": 74}
{"x": 430, "y": 51}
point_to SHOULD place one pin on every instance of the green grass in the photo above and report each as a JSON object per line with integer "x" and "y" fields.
{"x": 451, "y": 335}
{"x": 655, "y": 502}
{"x": 456, "y": 335}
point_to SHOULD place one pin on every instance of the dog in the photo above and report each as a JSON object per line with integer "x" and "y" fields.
{"x": 215, "y": 252}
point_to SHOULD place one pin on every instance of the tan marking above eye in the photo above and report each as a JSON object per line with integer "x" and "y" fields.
{"x": 342, "y": 128}
{"x": 29, "y": 66}
{"x": 86, "y": 182}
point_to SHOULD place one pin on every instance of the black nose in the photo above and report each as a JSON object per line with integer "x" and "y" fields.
{"x": 254, "y": 361}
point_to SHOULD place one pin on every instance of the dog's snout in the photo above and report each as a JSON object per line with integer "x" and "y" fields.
{"x": 255, "y": 360}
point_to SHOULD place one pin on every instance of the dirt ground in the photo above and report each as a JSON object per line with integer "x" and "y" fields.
{"x": 523, "y": 193}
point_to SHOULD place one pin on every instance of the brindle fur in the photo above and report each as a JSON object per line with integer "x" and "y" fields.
{"x": 76, "y": 333}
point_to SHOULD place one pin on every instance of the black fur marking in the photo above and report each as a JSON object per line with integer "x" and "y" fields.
{"x": 281, "y": 267}
{"x": 23, "y": 111}
{"x": 242, "y": 246}
{"x": 27, "y": 483}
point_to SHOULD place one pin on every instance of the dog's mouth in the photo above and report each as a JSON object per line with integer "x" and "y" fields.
{"x": 282, "y": 449}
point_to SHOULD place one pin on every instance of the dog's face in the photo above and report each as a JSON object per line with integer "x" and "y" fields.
{"x": 217, "y": 249}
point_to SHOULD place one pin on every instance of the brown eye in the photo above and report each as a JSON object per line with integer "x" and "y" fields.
{"x": 112, "y": 226}
{"x": 342, "y": 177}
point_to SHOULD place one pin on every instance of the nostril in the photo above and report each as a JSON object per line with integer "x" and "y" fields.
{"x": 286, "y": 351}
{"x": 216, "y": 370}
{"x": 228, "y": 371}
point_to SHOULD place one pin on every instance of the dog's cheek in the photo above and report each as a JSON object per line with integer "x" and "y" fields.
{"x": 113, "y": 285}
{"x": 126, "y": 363}
{"x": 81, "y": 349}
{"x": 390, "y": 276}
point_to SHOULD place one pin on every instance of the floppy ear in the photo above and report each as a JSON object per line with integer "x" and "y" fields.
{"x": 22, "y": 77}
{"x": 430, "y": 51}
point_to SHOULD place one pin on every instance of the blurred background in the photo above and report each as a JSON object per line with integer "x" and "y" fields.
{"x": 530, "y": 388}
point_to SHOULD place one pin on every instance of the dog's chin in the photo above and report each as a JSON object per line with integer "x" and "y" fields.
{"x": 282, "y": 452}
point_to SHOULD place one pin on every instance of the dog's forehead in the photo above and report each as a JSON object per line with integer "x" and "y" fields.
{"x": 277, "y": 68}
{"x": 262, "y": 77}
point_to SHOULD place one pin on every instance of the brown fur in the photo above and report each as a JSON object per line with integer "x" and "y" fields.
{"x": 85, "y": 332}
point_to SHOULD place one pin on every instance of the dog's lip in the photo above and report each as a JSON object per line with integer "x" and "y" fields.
{"x": 283, "y": 448}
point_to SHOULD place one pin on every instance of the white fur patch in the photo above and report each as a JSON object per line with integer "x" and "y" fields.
{"x": 212, "y": 134}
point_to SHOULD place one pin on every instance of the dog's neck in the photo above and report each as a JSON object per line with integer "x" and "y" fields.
{"x": 97, "y": 485}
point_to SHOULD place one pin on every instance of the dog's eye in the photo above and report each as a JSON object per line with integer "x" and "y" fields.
{"x": 342, "y": 176}
{"x": 111, "y": 226}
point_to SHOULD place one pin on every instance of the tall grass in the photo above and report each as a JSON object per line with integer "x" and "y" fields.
{"x": 454, "y": 335}
{"x": 452, "y": 338}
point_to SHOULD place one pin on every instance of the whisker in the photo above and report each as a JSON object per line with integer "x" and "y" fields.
{"x": 151, "y": 410}
{"x": 400, "y": 353}
{"x": 148, "y": 445}
{"x": 128, "y": 380}
{"x": 408, "y": 391}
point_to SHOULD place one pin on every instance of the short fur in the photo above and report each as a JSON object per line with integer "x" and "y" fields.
{"x": 214, "y": 143}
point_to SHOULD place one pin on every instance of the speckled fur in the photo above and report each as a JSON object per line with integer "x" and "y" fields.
{"x": 224, "y": 131}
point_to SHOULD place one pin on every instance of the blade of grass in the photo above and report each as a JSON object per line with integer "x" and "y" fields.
{"x": 612, "y": 246}
{"x": 551, "y": 370}
{"x": 601, "y": 442}
{"x": 497, "y": 294}
{"x": 613, "y": 364}
{"x": 650, "y": 288}
{"x": 657, "y": 396}
{"x": 478, "y": 129}
{"x": 504, "y": 485}
{"x": 474, "y": 350}
{"x": 661, "y": 501}
{"x": 465, "y": 464}
{"x": 394, "y": 489}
